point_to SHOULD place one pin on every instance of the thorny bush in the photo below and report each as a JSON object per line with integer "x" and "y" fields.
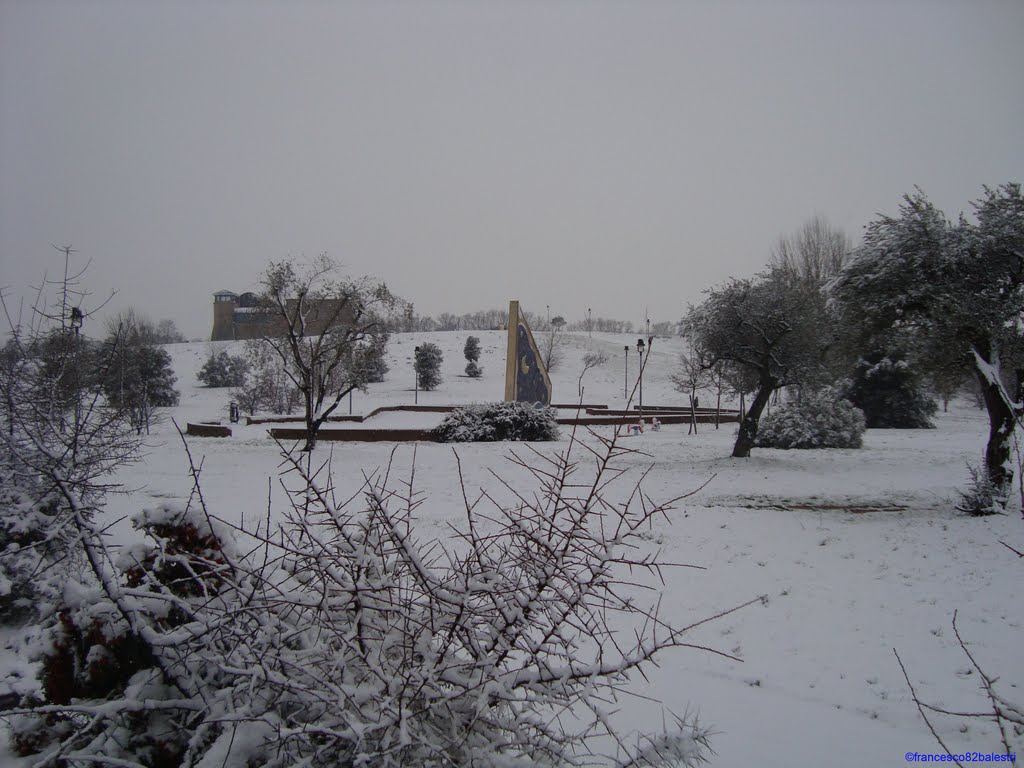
{"x": 342, "y": 638}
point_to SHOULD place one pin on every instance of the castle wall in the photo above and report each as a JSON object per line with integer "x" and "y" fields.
{"x": 234, "y": 322}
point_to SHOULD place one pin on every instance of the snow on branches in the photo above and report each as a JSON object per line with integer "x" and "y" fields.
{"x": 340, "y": 636}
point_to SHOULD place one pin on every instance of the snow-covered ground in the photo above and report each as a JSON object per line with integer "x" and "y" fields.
{"x": 858, "y": 552}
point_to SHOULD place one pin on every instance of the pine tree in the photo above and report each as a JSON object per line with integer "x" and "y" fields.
{"x": 428, "y": 366}
{"x": 889, "y": 392}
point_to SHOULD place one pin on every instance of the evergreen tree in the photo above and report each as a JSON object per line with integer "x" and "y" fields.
{"x": 223, "y": 370}
{"x": 956, "y": 288}
{"x": 472, "y": 353}
{"x": 428, "y": 366}
{"x": 889, "y": 392}
{"x": 137, "y": 377}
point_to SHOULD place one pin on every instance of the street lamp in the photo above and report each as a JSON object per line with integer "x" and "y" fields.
{"x": 625, "y": 373}
{"x": 416, "y": 375}
{"x": 640, "y": 352}
{"x": 77, "y": 318}
{"x": 590, "y": 325}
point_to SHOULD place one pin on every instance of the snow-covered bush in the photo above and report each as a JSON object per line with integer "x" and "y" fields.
{"x": 30, "y": 516}
{"x": 889, "y": 392}
{"x": 111, "y": 654}
{"x": 491, "y": 422}
{"x": 818, "y": 421}
{"x": 343, "y": 639}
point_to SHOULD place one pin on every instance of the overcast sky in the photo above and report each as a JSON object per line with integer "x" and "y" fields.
{"x": 618, "y": 156}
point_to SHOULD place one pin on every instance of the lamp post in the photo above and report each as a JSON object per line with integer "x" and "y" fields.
{"x": 416, "y": 376}
{"x": 590, "y": 325}
{"x": 640, "y": 352}
{"x": 625, "y": 373}
{"x": 77, "y": 318}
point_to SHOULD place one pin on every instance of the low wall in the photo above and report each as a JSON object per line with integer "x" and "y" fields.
{"x": 207, "y": 430}
{"x": 664, "y": 418}
{"x": 359, "y": 435}
{"x": 684, "y": 408}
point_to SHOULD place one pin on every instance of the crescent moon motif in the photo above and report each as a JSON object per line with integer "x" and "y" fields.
{"x": 524, "y": 367}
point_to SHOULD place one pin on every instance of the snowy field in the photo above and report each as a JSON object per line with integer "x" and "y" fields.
{"x": 858, "y": 552}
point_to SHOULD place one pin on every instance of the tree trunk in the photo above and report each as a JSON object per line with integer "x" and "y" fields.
{"x": 311, "y": 431}
{"x": 1002, "y": 419}
{"x": 748, "y": 427}
{"x": 693, "y": 412}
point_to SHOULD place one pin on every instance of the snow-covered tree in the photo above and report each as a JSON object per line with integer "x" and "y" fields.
{"x": 427, "y": 364}
{"x": 60, "y": 441}
{"x": 223, "y": 370}
{"x": 889, "y": 392}
{"x": 773, "y": 330}
{"x": 956, "y": 288}
{"x": 136, "y": 376}
{"x": 332, "y": 329}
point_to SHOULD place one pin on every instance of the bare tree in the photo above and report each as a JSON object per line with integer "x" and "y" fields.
{"x": 330, "y": 333}
{"x": 552, "y": 346}
{"x": 815, "y": 253}
{"x": 693, "y": 374}
{"x": 590, "y": 360}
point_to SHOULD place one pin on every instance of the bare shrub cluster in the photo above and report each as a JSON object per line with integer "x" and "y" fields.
{"x": 341, "y": 637}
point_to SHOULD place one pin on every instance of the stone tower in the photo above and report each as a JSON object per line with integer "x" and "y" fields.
{"x": 224, "y": 303}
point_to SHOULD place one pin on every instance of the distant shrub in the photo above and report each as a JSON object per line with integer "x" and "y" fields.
{"x": 818, "y": 421}
{"x": 223, "y": 370}
{"x": 493, "y": 422}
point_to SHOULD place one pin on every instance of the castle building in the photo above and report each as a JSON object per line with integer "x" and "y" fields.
{"x": 238, "y": 316}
